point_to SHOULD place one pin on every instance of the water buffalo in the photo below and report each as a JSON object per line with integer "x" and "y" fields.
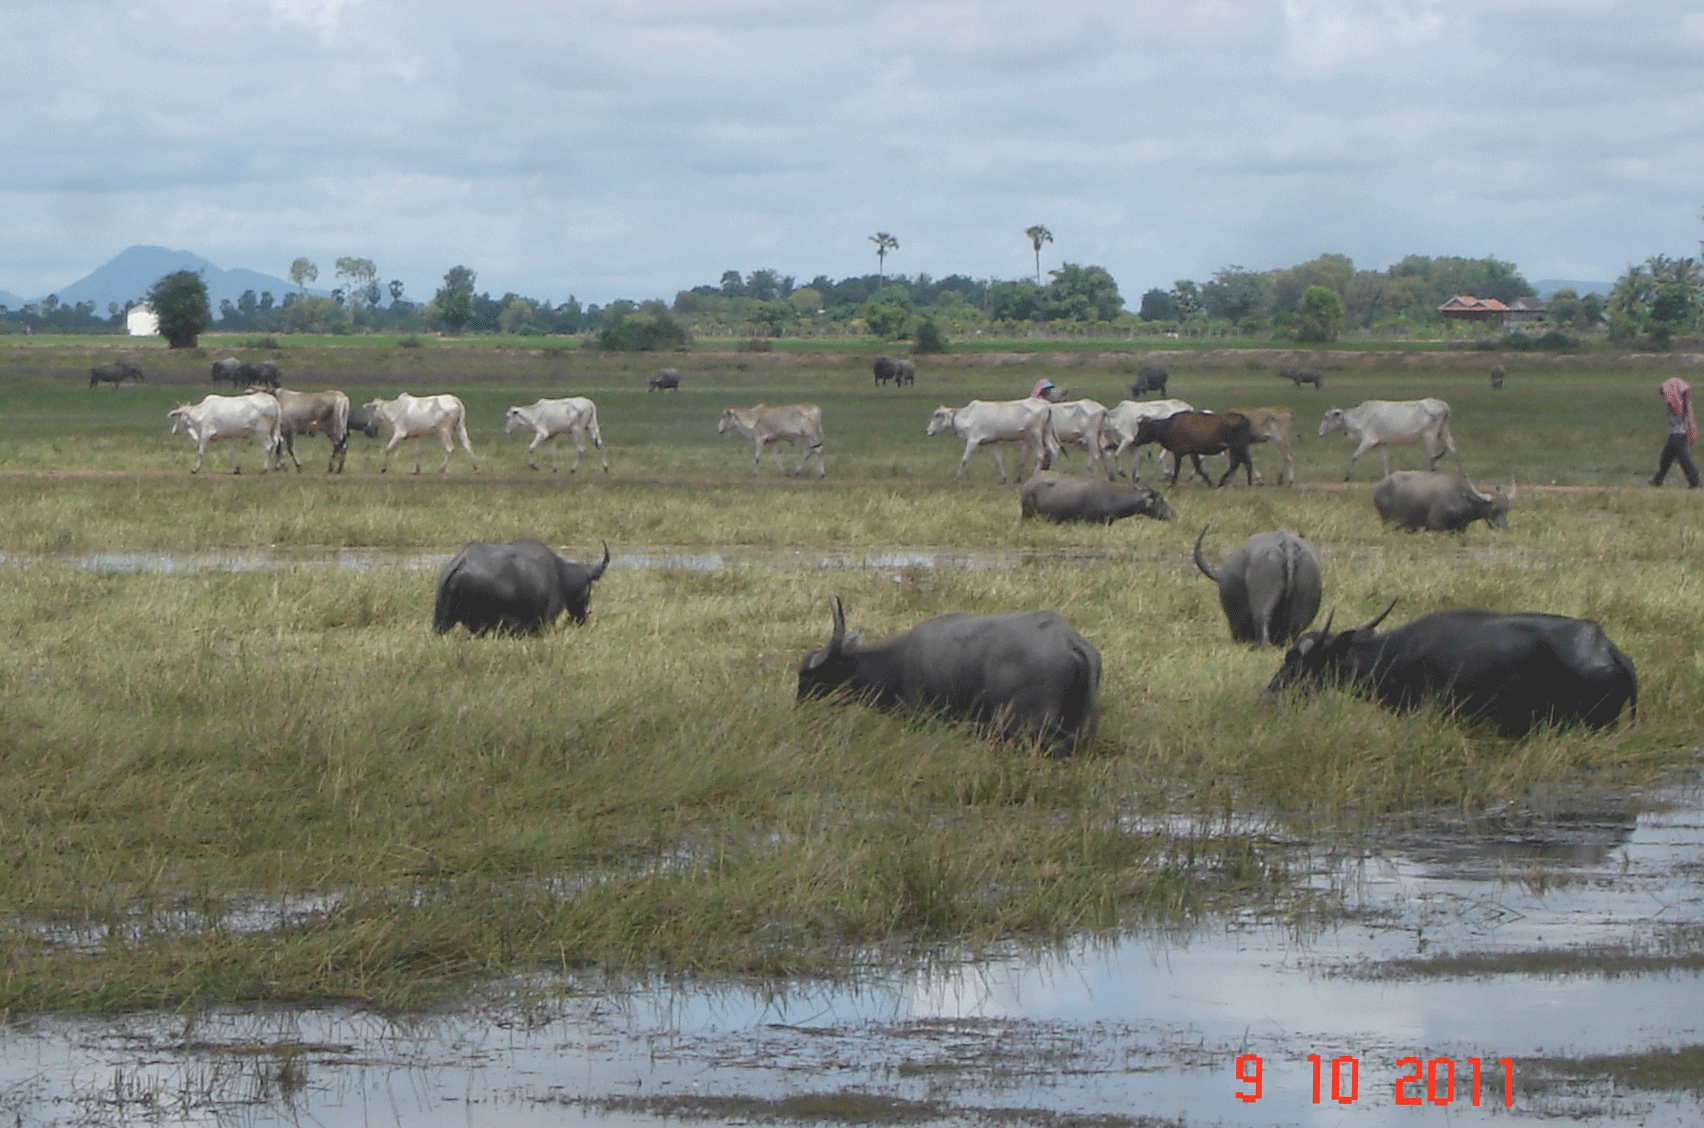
{"x": 116, "y": 373}
{"x": 667, "y": 380}
{"x": 362, "y": 420}
{"x": 247, "y": 373}
{"x": 1070, "y": 497}
{"x": 1300, "y": 376}
{"x": 515, "y": 588}
{"x": 1497, "y": 377}
{"x": 898, "y": 369}
{"x": 1269, "y": 586}
{"x": 1434, "y": 499}
{"x": 1516, "y": 669}
{"x": 1149, "y": 379}
{"x": 1023, "y": 673}
{"x": 1196, "y": 433}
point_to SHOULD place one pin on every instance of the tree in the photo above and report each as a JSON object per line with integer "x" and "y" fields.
{"x": 1319, "y": 315}
{"x": 179, "y": 300}
{"x": 884, "y": 243}
{"x": 1158, "y": 305}
{"x": 645, "y": 329}
{"x": 395, "y": 290}
{"x": 362, "y": 286}
{"x": 301, "y": 273}
{"x": 1235, "y": 294}
{"x": 885, "y": 320}
{"x": 452, "y": 306}
{"x": 1037, "y": 236}
{"x": 1083, "y": 293}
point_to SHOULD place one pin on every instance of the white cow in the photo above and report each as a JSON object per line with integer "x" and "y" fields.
{"x": 553, "y": 418}
{"x": 1080, "y": 423}
{"x": 1384, "y": 423}
{"x": 1118, "y": 433}
{"x": 411, "y": 417}
{"x": 985, "y": 422}
{"x": 223, "y": 418}
{"x": 792, "y": 423}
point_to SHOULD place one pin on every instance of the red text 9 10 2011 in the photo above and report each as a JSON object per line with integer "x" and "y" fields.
{"x": 1428, "y": 1081}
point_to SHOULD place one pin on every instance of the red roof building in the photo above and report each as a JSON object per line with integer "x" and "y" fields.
{"x": 1466, "y": 307}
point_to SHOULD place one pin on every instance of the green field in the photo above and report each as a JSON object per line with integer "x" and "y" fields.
{"x": 280, "y": 785}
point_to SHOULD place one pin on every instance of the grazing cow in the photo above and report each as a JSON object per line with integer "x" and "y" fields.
{"x": 1444, "y": 502}
{"x": 667, "y": 380}
{"x": 552, "y": 418}
{"x": 1023, "y": 673}
{"x": 898, "y": 369}
{"x": 1273, "y": 425}
{"x": 1118, "y": 433}
{"x": 1497, "y": 375}
{"x": 116, "y": 373}
{"x": 312, "y": 413}
{"x": 990, "y": 422}
{"x": 413, "y": 417}
{"x": 1080, "y": 423}
{"x": 225, "y": 418}
{"x": 1300, "y": 376}
{"x": 1516, "y": 669}
{"x": 1149, "y": 379}
{"x": 1069, "y": 497}
{"x": 793, "y": 423}
{"x": 1196, "y": 433}
{"x": 1269, "y": 586}
{"x": 247, "y": 373}
{"x": 514, "y": 588}
{"x": 1385, "y": 423}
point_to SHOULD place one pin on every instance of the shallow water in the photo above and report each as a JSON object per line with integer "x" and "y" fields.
{"x": 1150, "y": 1025}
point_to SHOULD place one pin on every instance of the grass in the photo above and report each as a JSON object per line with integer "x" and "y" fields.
{"x": 281, "y": 786}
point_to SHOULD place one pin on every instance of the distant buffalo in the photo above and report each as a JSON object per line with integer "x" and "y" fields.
{"x": 116, "y": 373}
{"x": 1300, "y": 376}
{"x": 1497, "y": 377}
{"x": 897, "y": 369}
{"x": 667, "y": 380}
{"x": 1071, "y": 497}
{"x": 515, "y": 588}
{"x": 1149, "y": 379}
{"x": 247, "y": 373}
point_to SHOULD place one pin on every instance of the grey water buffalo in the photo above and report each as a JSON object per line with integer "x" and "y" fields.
{"x": 1516, "y": 669}
{"x": 247, "y": 373}
{"x": 227, "y": 419}
{"x": 1025, "y": 674}
{"x": 1149, "y": 379}
{"x": 1497, "y": 377}
{"x": 667, "y": 380}
{"x": 1269, "y": 586}
{"x": 116, "y": 372}
{"x": 1196, "y": 433}
{"x": 896, "y": 368}
{"x": 991, "y": 422}
{"x": 1384, "y": 423}
{"x": 313, "y": 413}
{"x": 1437, "y": 500}
{"x": 363, "y": 421}
{"x": 1300, "y": 376}
{"x": 763, "y": 425}
{"x": 1071, "y": 497}
{"x": 515, "y": 588}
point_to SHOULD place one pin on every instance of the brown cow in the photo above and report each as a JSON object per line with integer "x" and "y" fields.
{"x": 1196, "y": 433}
{"x": 1273, "y": 425}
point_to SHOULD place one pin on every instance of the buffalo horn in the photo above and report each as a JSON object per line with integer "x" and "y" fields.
{"x": 839, "y": 637}
{"x": 1380, "y": 617}
{"x": 1511, "y": 487}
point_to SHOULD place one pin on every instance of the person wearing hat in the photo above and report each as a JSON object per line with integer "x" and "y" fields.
{"x": 1682, "y": 432}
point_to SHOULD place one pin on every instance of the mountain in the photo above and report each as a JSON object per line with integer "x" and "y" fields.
{"x": 1548, "y": 286}
{"x": 10, "y": 300}
{"x": 135, "y": 270}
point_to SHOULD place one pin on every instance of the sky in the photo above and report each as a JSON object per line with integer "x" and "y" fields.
{"x": 633, "y": 148}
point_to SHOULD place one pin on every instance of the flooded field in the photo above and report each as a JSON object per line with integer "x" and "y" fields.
{"x": 1559, "y": 949}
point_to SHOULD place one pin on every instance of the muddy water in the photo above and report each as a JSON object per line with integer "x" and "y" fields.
{"x": 1144, "y": 1025}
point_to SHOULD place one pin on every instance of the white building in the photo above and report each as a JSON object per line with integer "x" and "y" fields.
{"x": 142, "y": 321}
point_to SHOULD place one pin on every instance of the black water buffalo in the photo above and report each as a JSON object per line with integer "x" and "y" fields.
{"x": 1497, "y": 377}
{"x": 1515, "y": 669}
{"x": 667, "y": 380}
{"x": 1435, "y": 499}
{"x": 1269, "y": 586}
{"x": 1196, "y": 433}
{"x": 898, "y": 369}
{"x": 514, "y": 588}
{"x": 363, "y": 421}
{"x": 1074, "y": 497}
{"x": 247, "y": 373}
{"x": 116, "y": 373}
{"x": 1024, "y": 673}
{"x": 1300, "y": 376}
{"x": 1149, "y": 379}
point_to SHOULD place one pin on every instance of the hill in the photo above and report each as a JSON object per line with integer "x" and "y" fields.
{"x": 132, "y": 271}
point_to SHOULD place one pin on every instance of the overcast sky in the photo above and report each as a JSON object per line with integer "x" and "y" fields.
{"x": 632, "y": 149}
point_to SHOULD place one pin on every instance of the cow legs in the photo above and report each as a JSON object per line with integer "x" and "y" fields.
{"x": 1001, "y": 462}
{"x": 200, "y": 453}
{"x": 461, "y": 435}
{"x": 1237, "y": 458}
{"x": 449, "y": 449}
{"x": 533, "y": 446}
{"x": 339, "y": 452}
{"x": 969, "y": 448}
{"x": 1363, "y": 449}
{"x": 816, "y": 449}
{"x": 396, "y": 441}
{"x": 288, "y": 443}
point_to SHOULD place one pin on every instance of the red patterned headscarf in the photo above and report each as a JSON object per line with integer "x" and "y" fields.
{"x": 1675, "y": 392}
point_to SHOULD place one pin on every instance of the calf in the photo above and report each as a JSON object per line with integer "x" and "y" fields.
{"x": 1066, "y": 497}
{"x": 515, "y": 588}
{"x": 1433, "y": 499}
{"x": 1269, "y": 586}
{"x": 1515, "y": 669}
{"x": 1023, "y": 673}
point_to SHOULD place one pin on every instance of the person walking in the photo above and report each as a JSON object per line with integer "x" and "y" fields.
{"x": 1682, "y": 432}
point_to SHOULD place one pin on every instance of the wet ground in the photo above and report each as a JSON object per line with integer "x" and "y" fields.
{"x": 1533, "y": 936}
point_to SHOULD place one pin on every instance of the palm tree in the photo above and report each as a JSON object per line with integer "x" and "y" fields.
{"x": 1037, "y": 236}
{"x": 884, "y": 243}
